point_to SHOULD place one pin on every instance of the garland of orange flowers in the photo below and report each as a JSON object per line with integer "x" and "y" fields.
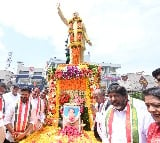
{"x": 88, "y": 103}
{"x": 57, "y": 100}
{"x": 75, "y": 55}
{"x": 73, "y": 84}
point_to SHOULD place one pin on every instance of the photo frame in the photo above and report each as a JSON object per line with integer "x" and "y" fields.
{"x": 71, "y": 116}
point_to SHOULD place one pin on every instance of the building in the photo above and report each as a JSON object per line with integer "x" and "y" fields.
{"x": 30, "y": 76}
{"x": 6, "y": 77}
{"x": 109, "y": 73}
{"x": 55, "y": 62}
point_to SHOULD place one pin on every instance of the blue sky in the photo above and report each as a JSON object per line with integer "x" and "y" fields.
{"x": 31, "y": 51}
{"x": 123, "y": 32}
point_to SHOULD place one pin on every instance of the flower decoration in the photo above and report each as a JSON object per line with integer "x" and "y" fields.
{"x": 73, "y": 83}
{"x": 78, "y": 100}
{"x": 64, "y": 98}
{"x": 70, "y": 131}
{"x": 51, "y": 134}
{"x": 75, "y": 71}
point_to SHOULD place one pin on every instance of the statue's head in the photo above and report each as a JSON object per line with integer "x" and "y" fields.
{"x": 75, "y": 14}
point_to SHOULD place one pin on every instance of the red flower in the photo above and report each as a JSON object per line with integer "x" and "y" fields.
{"x": 64, "y": 99}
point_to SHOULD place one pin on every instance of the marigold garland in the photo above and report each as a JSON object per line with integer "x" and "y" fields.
{"x": 75, "y": 54}
{"x": 88, "y": 103}
{"x": 57, "y": 100}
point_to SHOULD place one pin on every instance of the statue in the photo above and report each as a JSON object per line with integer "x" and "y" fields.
{"x": 77, "y": 36}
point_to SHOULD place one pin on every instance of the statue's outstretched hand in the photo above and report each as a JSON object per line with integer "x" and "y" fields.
{"x": 58, "y": 5}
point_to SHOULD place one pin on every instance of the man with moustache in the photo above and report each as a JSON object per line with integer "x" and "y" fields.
{"x": 19, "y": 118}
{"x": 103, "y": 104}
{"x": 39, "y": 106}
{"x": 126, "y": 120}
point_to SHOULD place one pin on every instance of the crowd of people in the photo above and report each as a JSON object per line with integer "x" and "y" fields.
{"x": 22, "y": 111}
{"x": 118, "y": 117}
{"x": 121, "y": 118}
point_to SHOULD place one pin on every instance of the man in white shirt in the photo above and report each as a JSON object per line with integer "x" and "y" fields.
{"x": 102, "y": 103}
{"x": 19, "y": 118}
{"x": 126, "y": 120}
{"x": 2, "y": 130}
{"x": 11, "y": 97}
{"x": 39, "y": 106}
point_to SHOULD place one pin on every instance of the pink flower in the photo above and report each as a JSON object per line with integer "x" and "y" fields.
{"x": 81, "y": 109}
{"x": 78, "y": 100}
{"x": 70, "y": 131}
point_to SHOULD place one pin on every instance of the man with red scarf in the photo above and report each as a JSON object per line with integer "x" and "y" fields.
{"x": 126, "y": 120}
{"x": 39, "y": 106}
{"x": 19, "y": 118}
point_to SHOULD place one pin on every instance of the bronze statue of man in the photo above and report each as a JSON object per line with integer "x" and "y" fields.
{"x": 77, "y": 36}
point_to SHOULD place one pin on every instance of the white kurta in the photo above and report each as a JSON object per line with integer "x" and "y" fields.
{"x": 10, "y": 118}
{"x": 40, "y": 114}
{"x": 9, "y": 99}
{"x": 99, "y": 117}
{"x": 119, "y": 125}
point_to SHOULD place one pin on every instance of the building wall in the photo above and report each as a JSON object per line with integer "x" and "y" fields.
{"x": 6, "y": 76}
{"x": 30, "y": 76}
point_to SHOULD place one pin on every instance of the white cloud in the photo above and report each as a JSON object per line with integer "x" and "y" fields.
{"x": 3, "y": 51}
{"x": 2, "y": 46}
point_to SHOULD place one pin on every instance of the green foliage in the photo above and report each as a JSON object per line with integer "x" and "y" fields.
{"x": 137, "y": 95}
{"x": 85, "y": 118}
{"x": 51, "y": 70}
{"x": 92, "y": 67}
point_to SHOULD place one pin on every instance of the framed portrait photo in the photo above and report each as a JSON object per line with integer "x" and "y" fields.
{"x": 71, "y": 116}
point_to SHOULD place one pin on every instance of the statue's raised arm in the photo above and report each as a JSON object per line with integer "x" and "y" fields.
{"x": 60, "y": 13}
{"x": 77, "y": 36}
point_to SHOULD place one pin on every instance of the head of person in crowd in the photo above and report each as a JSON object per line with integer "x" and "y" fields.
{"x": 14, "y": 89}
{"x": 43, "y": 94}
{"x": 99, "y": 95}
{"x": 118, "y": 96}
{"x": 156, "y": 74}
{"x": 2, "y": 88}
{"x": 36, "y": 92}
{"x": 152, "y": 101}
{"x": 25, "y": 94}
